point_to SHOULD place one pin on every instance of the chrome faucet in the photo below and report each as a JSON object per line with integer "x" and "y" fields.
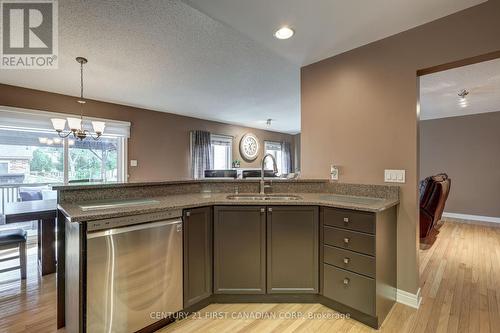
{"x": 275, "y": 169}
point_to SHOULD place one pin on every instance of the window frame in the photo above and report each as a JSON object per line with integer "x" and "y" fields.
{"x": 28, "y": 120}
{"x": 121, "y": 165}
{"x": 228, "y": 140}
{"x": 278, "y": 161}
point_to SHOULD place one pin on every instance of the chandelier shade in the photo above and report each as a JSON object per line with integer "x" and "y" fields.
{"x": 76, "y": 124}
{"x": 98, "y": 126}
{"x": 58, "y": 124}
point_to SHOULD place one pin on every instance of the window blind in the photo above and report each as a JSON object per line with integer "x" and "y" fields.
{"x": 271, "y": 145}
{"x": 221, "y": 140}
{"x": 11, "y": 118}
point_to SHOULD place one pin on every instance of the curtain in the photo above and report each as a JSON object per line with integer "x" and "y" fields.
{"x": 286, "y": 158}
{"x": 201, "y": 153}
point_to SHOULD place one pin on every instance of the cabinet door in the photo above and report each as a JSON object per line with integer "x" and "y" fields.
{"x": 239, "y": 250}
{"x": 292, "y": 249}
{"x": 197, "y": 255}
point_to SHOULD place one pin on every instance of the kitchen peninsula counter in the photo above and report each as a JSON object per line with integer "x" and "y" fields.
{"x": 75, "y": 213}
{"x": 321, "y": 224}
{"x": 195, "y": 193}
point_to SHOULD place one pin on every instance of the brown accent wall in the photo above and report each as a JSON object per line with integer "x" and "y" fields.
{"x": 468, "y": 150}
{"x": 159, "y": 141}
{"x": 359, "y": 110}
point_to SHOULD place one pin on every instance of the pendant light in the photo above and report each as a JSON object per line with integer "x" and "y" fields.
{"x": 76, "y": 124}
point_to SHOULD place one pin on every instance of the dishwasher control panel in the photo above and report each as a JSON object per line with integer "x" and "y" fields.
{"x": 117, "y": 222}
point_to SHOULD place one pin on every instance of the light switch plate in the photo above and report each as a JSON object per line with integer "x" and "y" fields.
{"x": 395, "y": 176}
{"x": 334, "y": 172}
{"x": 133, "y": 163}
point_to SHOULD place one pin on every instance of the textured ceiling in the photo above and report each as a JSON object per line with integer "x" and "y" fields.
{"x": 168, "y": 56}
{"x": 439, "y": 92}
{"x": 326, "y": 27}
{"x": 223, "y": 65}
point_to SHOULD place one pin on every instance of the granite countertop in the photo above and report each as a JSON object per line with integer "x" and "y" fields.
{"x": 85, "y": 186}
{"x": 181, "y": 201}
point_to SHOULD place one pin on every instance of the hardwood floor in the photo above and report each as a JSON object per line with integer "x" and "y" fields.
{"x": 460, "y": 281}
{"x": 460, "y": 288}
{"x": 29, "y": 305}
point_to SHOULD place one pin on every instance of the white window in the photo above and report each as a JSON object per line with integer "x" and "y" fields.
{"x": 32, "y": 156}
{"x": 95, "y": 161}
{"x": 31, "y": 152}
{"x": 275, "y": 149}
{"x": 4, "y": 167}
{"x": 222, "y": 151}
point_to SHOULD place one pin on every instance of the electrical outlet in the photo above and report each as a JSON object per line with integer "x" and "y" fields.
{"x": 133, "y": 163}
{"x": 395, "y": 176}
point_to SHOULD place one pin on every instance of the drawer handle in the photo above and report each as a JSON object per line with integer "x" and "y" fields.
{"x": 346, "y": 220}
{"x": 346, "y": 260}
{"x": 346, "y": 240}
{"x": 346, "y": 281}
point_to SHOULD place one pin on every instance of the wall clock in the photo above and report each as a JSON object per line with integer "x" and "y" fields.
{"x": 249, "y": 147}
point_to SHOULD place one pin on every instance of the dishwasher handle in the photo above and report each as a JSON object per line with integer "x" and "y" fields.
{"x": 143, "y": 226}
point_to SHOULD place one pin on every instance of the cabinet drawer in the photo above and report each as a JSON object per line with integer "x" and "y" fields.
{"x": 351, "y": 261}
{"x": 350, "y": 240}
{"x": 349, "y": 219}
{"x": 351, "y": 289}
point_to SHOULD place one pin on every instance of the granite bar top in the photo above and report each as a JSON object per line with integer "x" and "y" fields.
{"x": 87, "y": 186}
{"x": 191, "y": 200}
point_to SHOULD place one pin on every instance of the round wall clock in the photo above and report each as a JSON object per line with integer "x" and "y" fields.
{"x": 249, "y": 146}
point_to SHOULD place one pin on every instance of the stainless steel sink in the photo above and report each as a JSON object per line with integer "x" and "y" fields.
{"x": 259, "y": 197}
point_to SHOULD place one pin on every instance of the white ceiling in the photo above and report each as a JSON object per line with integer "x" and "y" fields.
{"x": 326, "y": 27}
{"x": 439, "y": 91}
{"x": 224, "y": 65}
{"x": 168, "y": 56}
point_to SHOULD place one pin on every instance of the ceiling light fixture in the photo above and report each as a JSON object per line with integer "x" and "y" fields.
{"x": 284, "y": 33}
{"x": 463, "y": 93}
{"x": 76, "y": 124}
{"x": 463, "y": 100}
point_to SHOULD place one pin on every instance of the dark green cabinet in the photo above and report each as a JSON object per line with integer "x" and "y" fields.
{"x": 239, "y": 250}
{"x": 197, "y": 255}
{"x": 292, "y": 249}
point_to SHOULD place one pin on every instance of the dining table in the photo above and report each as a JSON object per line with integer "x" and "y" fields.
{"x": 45, "y": 213}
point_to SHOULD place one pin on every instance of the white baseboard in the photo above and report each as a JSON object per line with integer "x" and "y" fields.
{"x": 409, "y": 299}
{"x": 472, "y": 217}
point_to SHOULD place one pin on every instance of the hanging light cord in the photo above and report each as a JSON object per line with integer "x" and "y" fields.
{"x": 81, "y": 81}
{"x": 81, "y": 101}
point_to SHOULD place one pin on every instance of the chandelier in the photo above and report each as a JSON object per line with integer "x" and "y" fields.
{"x": 76, "y": 124}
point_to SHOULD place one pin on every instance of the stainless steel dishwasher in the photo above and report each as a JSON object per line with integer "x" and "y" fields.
{"x": 134, "y": 271}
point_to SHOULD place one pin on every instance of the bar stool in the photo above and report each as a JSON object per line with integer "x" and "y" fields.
{"x": 10, "y": 239}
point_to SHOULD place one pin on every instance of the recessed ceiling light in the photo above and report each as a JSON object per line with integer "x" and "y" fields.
{"x": 284, "y": 33}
